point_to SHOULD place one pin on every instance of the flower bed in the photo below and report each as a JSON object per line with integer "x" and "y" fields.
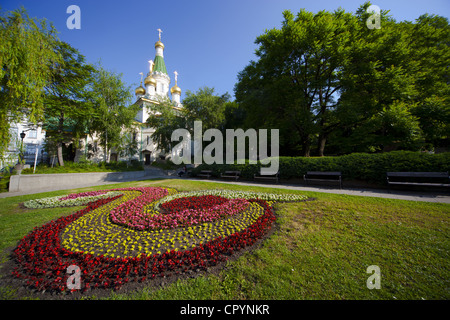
{"x": 232, "y": 194}
{"x": 83, "y": 194}
{"x": 110, "y": 254}
{"x": 70, "y": 200}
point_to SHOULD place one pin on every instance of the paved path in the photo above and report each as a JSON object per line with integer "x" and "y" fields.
{"x": 442, "y": 197}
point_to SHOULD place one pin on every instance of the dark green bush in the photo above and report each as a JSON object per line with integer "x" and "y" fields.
{"x": 357, "y": 166}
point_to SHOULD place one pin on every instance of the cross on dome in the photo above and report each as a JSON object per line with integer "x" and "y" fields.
{"x": 176, "y": 77}
{"x": 151, "y": 63}
{"x": 159, "y": 31}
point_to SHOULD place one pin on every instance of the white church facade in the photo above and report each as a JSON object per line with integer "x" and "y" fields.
{"x": 156, "y": 87}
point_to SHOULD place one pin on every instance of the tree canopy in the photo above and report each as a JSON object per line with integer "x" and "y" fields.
{"x": 204, "y": 105}
{"x": 27, "y": 58}
{"x": 67, "y": 109}
{"x": 327, "y": 79}
{"x": 111, "y": 100}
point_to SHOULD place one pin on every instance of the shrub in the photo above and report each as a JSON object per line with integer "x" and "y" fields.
{"x": 356, "y": 166}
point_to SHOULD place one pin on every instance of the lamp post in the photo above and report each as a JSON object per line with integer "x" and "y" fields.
{"x": 22, "y": 136}
{"x": 19, "y": 165}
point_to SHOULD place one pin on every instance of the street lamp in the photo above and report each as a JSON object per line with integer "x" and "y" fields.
{"x": 22, "y": 135}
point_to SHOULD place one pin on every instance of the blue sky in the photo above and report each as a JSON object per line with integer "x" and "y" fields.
{"x": 206, "y": 41}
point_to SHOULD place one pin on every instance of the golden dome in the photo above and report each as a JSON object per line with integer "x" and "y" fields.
{"x": 140, "y": 90}
{"x": 175, "y": 89}
{"x": 150, "y": 80}
{"x": 159, "y": 44}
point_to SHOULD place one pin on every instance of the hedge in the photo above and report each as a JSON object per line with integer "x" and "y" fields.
{"x": 356, "y": 166}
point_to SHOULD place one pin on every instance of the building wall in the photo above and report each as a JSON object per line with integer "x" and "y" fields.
{"x": 34, "y": 141}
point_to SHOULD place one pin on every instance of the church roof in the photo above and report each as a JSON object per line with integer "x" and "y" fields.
{"x": 69, "y": 125}
{"x": 159, "y": 65}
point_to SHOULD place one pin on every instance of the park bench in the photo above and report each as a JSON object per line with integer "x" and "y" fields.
{"x": 428, "y": 179}
{"x": 205, "y": 174}
{"x": 231, "y": 174}
{"x": 269, "y": 177}
{"x": 333, "y": 176}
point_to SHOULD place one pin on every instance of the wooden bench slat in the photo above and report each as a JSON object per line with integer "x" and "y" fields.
{"x": 430, "y": 184}
{"x": 418, "y": 174}
{"x": 324, "y": 176}
{"x": 324, "y": 173}
{"x": 205, "y": 173}
{"x": 418, "y": 178}
{"x": 267, "y": 176}
{"x": 231, "y": 174}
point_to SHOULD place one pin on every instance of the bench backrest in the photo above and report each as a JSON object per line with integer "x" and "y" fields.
{"x": 418, "y": 174}
{"x": 269, "y": 175}
{"x": 232, "y": 172}
{"x": 324, "y": 173}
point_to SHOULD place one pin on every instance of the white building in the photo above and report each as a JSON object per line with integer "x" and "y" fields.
{"x": 28, "y": 137}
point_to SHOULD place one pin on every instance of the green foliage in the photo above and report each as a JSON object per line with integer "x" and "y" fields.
{"x": 67, "y": 111}
{"x": 206, "y": 106}
{"x": 203, "y": 105}
{"x": 166, "y": 165}
{"x": 128, "y": 145}
{"x": 111, "y": 100}
{"x": 4, "y": 182}
{"x": 165, "y": 119}
{"x": 326, "y": 79}
{"x": 356, "y": 166}
{"x": 27, "y": 56}
{"x": 293, "y": 84}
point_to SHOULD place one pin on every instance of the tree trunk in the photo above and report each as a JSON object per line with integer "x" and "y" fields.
{"x": 60, "y": 139}
{"x": 60, "y": 154}
{"x": 105, "y": 150}
{"x": 321, "y": 143}
{"x": 105, "y": 153}
{"x": 306, "y": 146}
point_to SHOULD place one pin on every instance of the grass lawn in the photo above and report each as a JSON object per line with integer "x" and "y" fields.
{"x": 319, "y": 249}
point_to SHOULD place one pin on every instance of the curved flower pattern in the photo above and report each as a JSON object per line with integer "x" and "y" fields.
{"x": 232, "y": 194}
{"x": 80, "y": 199}
{"x": 113, "y": 241}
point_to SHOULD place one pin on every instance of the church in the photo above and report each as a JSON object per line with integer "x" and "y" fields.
{"x": 156, "y": 86}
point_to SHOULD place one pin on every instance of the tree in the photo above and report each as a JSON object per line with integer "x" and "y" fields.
{"x": 430, "y": 50}
{"x": 294, "y": 83}
{"x": 128, "y": 145}
{"x": 165, "y": 119}
{"x": 111, "y": 99}
{"x": 402, "y": 64}
{"x": 27, "y": 56}
{"x": 234, "y": 115}
{"x": 328, "y": 76}
{"x": 206, "y": 106}
{"x": 67, "y": 109}
{"x": 203, "y": 105}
